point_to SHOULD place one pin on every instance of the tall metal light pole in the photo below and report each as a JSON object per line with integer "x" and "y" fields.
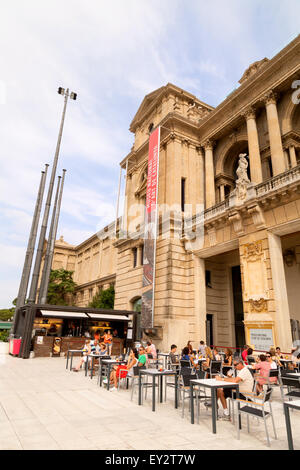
{"x": 51, "y": 243}
{"x": 46, "y": 258}
{"x": 38, "y": 259}
{"x": 30, "y": 248}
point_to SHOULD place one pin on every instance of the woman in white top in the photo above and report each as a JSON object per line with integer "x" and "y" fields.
{"x": 132, "y": 361}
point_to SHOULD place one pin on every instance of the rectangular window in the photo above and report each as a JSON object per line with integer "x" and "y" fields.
{"x": 208, "y": 279}
{"x": 134, "y": 253}
{"x": 142, "y": 255}
{"x": 182, "y": 194}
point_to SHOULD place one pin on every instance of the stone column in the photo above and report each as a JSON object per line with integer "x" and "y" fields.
{"x": 253, "y": 145}
{"x": 293, "y": 157}
{"x": 222, "y": 192}
{"x": 286, "y": 158}
{"x": 201, "y": 172}
{"x": 210, "y": 193}
{"x": 200, "y": 297}
{"x": 277, "y": 156}
{"x": 283, "y": 326}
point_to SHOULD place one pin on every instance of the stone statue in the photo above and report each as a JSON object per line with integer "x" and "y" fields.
{"x": 242, "y": 181}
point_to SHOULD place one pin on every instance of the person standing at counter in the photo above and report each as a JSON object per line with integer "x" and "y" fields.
{"x": 107, "y": 338}
{"x": 97, "y": 335}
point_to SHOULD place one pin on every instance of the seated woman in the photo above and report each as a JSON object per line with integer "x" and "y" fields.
{"x": 272, "y": 362}
{"x": 85, "y": 350}
{"x": 263, "y": 366}
{"x": 132, "y": 361}
{"x": 115, "y": 373}
{"x": 194, "y": 360}
{"x": 216, "y": 355}
{"x": 209, "y": 357}
{"x": 185, "y": 354}
{"x": 228, "y": 357}
{"x": 275, "y": 357}
{"x": 103, "y": 351}
{"x": 190, "y": 347}
{"x": 151, "y": 349}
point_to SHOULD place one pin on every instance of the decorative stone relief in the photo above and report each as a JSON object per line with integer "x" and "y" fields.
{"x": 212, "y": 235}
{"x": 252, "y": 69}
{"x": 260, "y": 305}
{"x": 253, "y": 260}
{"x": 257, "y": 216}
{"x": 236, "y": 219}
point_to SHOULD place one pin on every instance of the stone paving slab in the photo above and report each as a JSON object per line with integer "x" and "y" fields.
{"x": 44, "y": 406}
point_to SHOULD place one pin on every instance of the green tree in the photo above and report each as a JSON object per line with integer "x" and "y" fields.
{"x": 60, "y": 284}
{"x": 104, "y": 299}
{"x": 6, "y": 314}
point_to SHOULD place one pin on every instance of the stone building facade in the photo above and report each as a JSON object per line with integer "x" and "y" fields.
{"x": 241, "y": 276}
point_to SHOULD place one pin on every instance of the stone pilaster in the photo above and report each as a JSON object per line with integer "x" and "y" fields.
{"x": 200, "y": 297}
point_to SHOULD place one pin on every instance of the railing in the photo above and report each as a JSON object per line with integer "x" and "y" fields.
{"x": 217, "y": 209}
{"x": 278, "y": 181}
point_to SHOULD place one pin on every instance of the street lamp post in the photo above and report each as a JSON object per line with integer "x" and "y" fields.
{"x": 51, "y": 242}
{"x": 38, "y": 259}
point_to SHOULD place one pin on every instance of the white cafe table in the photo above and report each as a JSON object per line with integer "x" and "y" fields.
{"x": 294, "y": 404}
{"x": 213, "y": 385}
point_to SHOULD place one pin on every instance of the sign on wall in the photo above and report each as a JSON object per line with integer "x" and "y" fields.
{"x": 261, "y": 338}
{"x": 150, "y": 231}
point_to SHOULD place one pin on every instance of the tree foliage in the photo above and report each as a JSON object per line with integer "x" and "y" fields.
{"x": 104, "y": 299}
{"x": 60, "y": 284}
{"x": 6, "y": 314}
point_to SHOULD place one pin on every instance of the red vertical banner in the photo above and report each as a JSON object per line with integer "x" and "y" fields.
{"x": 150, "y": 231}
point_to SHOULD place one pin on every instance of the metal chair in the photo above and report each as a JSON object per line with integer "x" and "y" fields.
{"x": 184, "y": 363}
{"x": 215, "y": 368}
{"x": 135, "y": 380}
{"x": 184, "y": 388}
{"x": 257, "y": 410}
{"x": 292, "y": 385}
{"x": 250, "y": 360}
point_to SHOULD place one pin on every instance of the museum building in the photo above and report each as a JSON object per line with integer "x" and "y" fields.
{"x": 239, "y": 280}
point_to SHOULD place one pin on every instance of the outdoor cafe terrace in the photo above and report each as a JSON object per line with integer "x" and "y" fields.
{"x": 43, "y": 405}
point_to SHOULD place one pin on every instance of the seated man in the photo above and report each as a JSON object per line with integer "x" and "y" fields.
{"x": 244, "y": 379}
{"x": 172, "y": 355}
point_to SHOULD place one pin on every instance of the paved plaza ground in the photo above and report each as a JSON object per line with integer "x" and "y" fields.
{"x": 44, "y": 406}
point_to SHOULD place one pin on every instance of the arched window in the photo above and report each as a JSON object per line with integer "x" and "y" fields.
{"x": 137, "y": 304}
{"x": 137, "y": 307}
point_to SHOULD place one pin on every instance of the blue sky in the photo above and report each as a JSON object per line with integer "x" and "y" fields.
{"x": 112, "y": 54}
